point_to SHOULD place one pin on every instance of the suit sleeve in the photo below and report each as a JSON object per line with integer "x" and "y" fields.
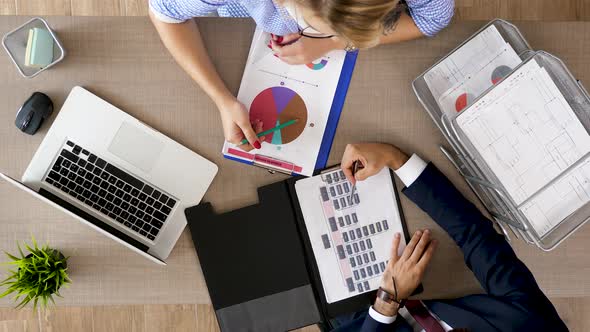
{"x": 486, "y": 252}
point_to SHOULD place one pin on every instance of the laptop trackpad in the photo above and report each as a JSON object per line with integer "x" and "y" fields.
{"x": 136, "y": 146}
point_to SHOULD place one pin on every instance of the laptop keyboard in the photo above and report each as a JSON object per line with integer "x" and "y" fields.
{"x": 110, "y": 190}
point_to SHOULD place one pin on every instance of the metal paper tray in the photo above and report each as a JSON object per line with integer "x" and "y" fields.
{"x": 478, "y": 175}
{"x": 579, "y": 101}
{"x": 488, "y": 196}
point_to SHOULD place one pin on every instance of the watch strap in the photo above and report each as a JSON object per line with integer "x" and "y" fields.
{"x": 388, "y": 297}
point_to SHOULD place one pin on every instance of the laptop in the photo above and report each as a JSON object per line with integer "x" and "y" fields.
{"x": 117, "y": 175}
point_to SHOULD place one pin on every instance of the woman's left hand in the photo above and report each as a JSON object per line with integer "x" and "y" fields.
{"x": 297, "y": 50}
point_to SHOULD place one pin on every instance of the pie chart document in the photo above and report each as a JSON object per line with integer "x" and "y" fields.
{"x": 275, "y": 93}
{"x": 459, "y": 79}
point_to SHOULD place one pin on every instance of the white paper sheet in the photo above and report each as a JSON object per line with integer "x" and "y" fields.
{"x": 465, "y": 92}
{"x": 275, "y": 92}
{"x": 525, "y": 131}
{"x": 351, "y": 241}
{"x": 559, "y": 200}
{"x": 483, "y": 59}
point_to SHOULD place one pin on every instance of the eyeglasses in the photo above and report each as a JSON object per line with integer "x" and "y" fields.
{"x": 314, "y": 35}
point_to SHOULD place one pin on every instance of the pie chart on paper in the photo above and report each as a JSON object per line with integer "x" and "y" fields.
{"x": 463, "y": 100}
{"x": 317, "y": 65}
{"x": 499, "y": 73}
{"x": 277, "y": 105}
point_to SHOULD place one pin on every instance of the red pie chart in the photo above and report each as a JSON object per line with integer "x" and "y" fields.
{"x": 462, "y": 101}
{"x": 277, "y": 105}
{"x": 499, "y": 73}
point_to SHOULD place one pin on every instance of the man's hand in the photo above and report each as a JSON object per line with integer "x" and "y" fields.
{"x": 296, "y": 50}
{"x": 373, "y": 158}
{"x": 407, "y": 269}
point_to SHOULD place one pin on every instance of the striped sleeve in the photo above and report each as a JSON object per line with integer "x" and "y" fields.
{"x": 431, "y": 16}
{"x": 177, "y": 11}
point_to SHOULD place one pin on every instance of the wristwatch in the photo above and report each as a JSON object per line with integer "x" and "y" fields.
{"x": 389, "y": 298}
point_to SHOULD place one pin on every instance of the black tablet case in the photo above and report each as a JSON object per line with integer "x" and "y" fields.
{"x": 259, "y": 265}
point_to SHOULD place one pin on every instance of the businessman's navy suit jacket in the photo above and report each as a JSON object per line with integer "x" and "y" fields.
{"x": 513, "y": 301}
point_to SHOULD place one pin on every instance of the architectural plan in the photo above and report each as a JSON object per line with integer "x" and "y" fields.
{"x": 569, "y": 193}
{"x": 528, "y": 135}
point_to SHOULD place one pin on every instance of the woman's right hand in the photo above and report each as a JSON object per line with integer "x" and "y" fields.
{"x": 236, "y": 124}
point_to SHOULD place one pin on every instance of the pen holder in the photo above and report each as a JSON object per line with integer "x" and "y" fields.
{"x": 15, "y": 43}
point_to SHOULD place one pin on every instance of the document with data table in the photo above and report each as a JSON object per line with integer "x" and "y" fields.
{"x": 351, "y": 236}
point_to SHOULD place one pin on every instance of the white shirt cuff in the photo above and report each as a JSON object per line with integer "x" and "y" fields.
{"x": 411, "y": 170}
{"x": 381, "y": 318}
{"x": 163, "y": 18}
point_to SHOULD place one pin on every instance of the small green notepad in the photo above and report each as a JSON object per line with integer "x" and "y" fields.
{"x": 39, "y": 52}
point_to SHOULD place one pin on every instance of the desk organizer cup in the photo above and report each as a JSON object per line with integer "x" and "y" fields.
{"x": 15, "y": 44}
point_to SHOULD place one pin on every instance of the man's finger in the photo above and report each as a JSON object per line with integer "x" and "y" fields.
{"x": 395, "y": 247}
{"x": 427, "y": 256}
{"x": 348, "y": 173}
{"x": 421, "y": 246}
{"x": 347, "y": 162}
{"x": 250, "y": 135}
{"x": 410, "y": 247}
{"x": 364, "y": 173}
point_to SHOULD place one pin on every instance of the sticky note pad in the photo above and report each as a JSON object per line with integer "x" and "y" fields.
{"x": 39, "y": 51}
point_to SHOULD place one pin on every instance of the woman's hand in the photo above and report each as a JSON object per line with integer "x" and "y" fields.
{"x": 297, "y": 50}
{"x": 373, "y": 158}
{"x": 237, "y": 126}
{"x": 407, "y": 270}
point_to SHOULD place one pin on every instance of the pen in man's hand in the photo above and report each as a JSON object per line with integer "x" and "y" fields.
{"x": 355, "y": 168}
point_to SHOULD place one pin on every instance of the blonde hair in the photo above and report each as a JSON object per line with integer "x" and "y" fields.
{"x": 360, "y": 22}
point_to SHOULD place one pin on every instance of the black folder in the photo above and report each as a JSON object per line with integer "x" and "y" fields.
{"x": 259, "y": 265}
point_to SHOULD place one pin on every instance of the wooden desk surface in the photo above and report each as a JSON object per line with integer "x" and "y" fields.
{"x": 123, "y": 61}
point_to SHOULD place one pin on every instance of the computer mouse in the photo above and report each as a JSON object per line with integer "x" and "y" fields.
{"x": 34, "y": 111}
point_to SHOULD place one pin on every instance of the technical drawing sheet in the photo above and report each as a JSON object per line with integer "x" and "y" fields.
{"x": 461, "y": 77}
{"x": 569, "y": 193}
{"x": 527, "y": 134}
{"x": 351, "y": 237}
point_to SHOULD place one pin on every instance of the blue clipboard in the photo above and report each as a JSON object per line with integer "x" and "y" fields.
{"x": 333, "y": 118}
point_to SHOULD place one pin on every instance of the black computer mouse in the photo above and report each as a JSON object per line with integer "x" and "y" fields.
{"x": 34, "y": 111}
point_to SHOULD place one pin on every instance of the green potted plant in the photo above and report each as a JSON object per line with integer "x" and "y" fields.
{"x": 37, "y": 277}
